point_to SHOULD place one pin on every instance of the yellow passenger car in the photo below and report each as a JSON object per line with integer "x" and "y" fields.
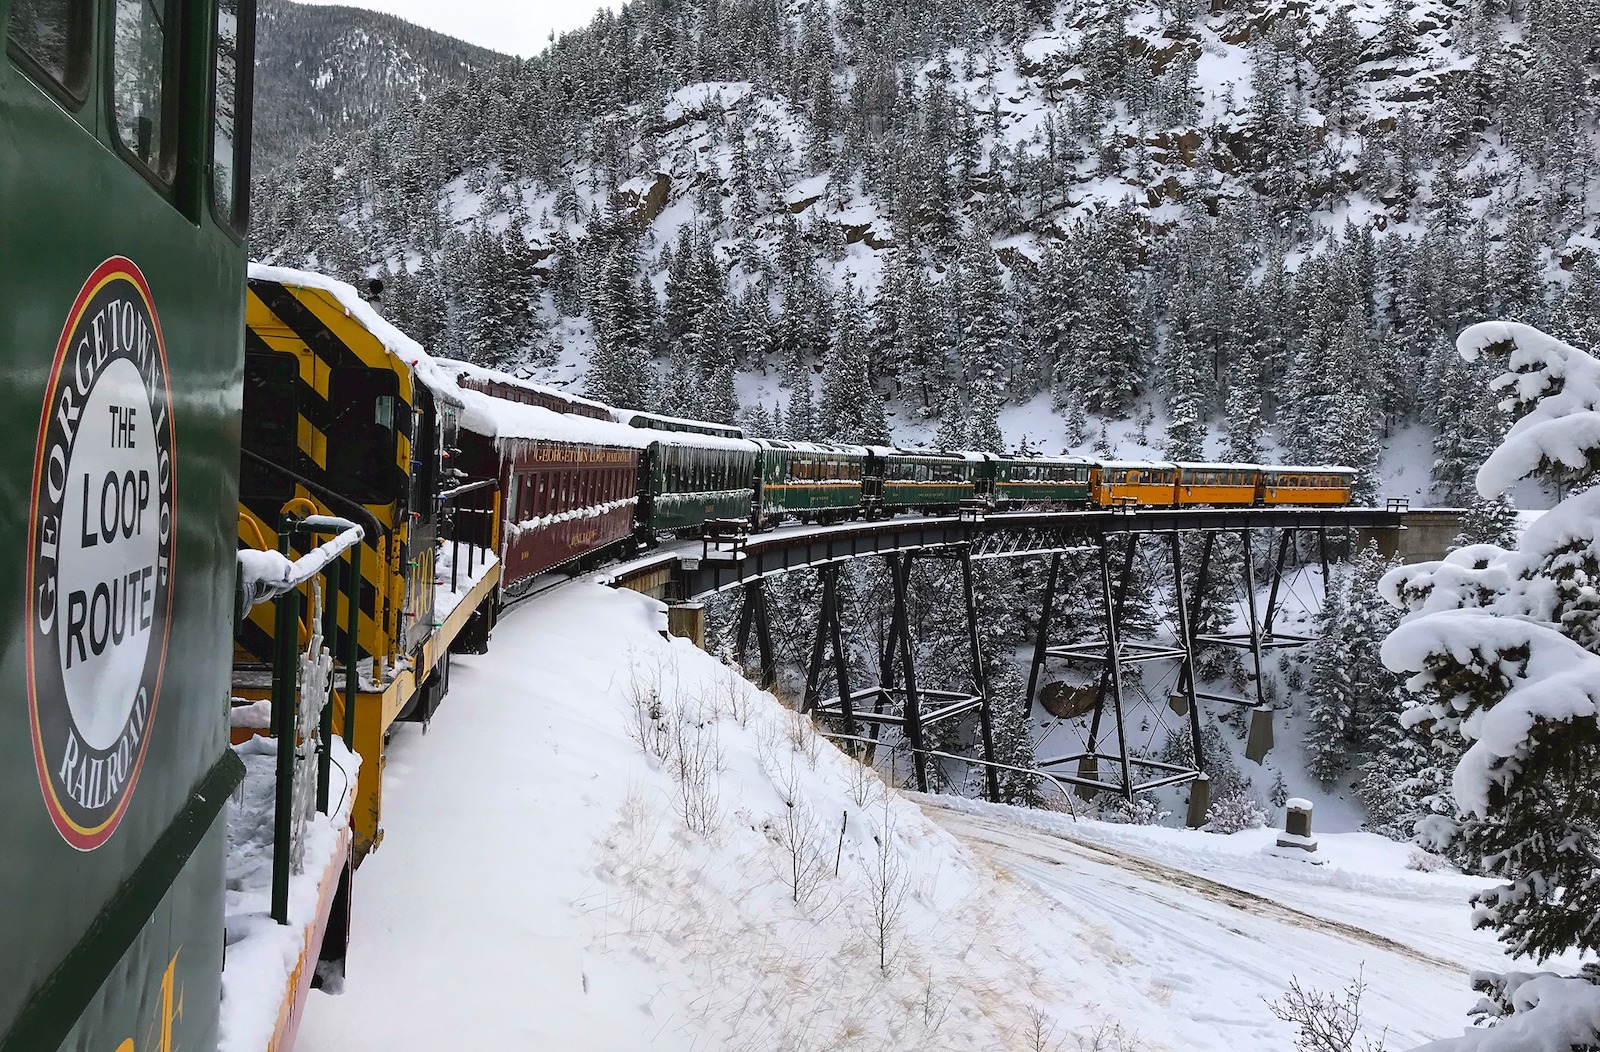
{"x": 1306, "y": 485}
{"x": 1218, "y": 484}
{"x": 1134, "y": 483}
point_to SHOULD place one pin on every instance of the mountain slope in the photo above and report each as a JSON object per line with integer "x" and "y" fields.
{"x": 325, "y": 70}
{"x": 1254, "y": 226}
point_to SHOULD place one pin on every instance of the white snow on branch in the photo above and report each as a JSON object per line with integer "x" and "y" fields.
{"x": 1551, "y": 679}
{"x": 1552, "y": 1013}
{"x": 1546, "y": 381}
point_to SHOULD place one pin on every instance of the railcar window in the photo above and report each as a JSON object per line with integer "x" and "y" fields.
{"x": 53, "y": 37}
{"x": 270, "y": 422}
{"x": 144, "y": 83}
{"x": 230, "y": 120}
{"x": 361, "y": 439}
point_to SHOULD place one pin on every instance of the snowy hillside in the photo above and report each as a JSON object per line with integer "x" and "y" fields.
{"x": 326, "y": 70}
{"x": 606, "y": 841}
{"x": 1261, "y": 216}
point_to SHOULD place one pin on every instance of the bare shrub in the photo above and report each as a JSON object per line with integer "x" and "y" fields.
{"x": 1107, "y": 1037}
{"x": 695, "y": 760}
{"x": 735, "y": 696}
{"x": 1039, "y": 1032}
{"x": 802, "y": 842}
{"x": 647, "y": 689}
{"x": 1324, "y": 1021}
{"x": 804, "y": 737}
{"x": 864, "y": 784}
{"x": 887, "y": 887}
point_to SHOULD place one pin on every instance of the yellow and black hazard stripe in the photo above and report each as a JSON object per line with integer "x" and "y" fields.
{"x": 308, "y": 327}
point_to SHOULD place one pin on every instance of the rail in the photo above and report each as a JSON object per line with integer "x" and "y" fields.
{"x": 268, "y": 575}
{"x": 480, "y": 533}
{"x": 905, "y": 747}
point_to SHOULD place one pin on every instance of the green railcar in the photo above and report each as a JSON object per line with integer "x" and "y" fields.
{"x": 123, "y": 176}
{"x": 809, "y": 480}
{"x": 1036, "y": 480}
{"x": 684, "y": 482}
{"x": 932, "y": 481}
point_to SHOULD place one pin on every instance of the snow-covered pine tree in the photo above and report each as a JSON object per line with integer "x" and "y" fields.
{"x": 1492, "y": 521}
{"x": 850, "y": 410}
{"x": 1466, "y": 423}
{"x": 620, "y": 370}
{"x": 1512, "y": 653}
{"x": 1245, "y": 422}
{"x": 1332, "y": 692}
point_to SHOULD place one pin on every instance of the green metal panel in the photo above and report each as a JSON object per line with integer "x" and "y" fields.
{"x": 690, "y": 483}
{"x": 950, "y": 480}
{"x": 69, "y": 204}
{"x": 905, "y": 495}
{"x": 785, "y": 490}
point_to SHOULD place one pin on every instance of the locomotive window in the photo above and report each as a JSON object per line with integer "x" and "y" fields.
{"x": 270, "y": 424}
{"x": 144, "y": 78}
{"x": 52, "y": 39}
{"x": 231, "y": 108}
{"x": 361, "y": 439}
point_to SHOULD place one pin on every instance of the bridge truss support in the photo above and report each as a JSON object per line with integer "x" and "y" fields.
{"x": 1259, "y": 633}
{"x": 899, "y": 700}
{"x": 1113, "y": 654}
{"x": 753, "y": 614}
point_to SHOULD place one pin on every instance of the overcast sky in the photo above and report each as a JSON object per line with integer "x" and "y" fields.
{"x": 517, "y": 27}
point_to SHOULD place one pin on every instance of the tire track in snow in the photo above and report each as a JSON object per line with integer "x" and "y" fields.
{"x": 1008, "y": 837}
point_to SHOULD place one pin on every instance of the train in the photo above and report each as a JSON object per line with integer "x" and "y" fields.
{"x": 181, "y": 415}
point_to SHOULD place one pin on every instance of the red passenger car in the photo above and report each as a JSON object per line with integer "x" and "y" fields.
{"x": 563, "y": 503}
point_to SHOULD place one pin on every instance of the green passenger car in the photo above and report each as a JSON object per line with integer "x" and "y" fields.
{"x": 932, "y": 481}
{"x": 809, "y": 480}
{"x": 683, "y": 482}
{"x": 123, "y": 153}
{"x": 1037, "y": 480}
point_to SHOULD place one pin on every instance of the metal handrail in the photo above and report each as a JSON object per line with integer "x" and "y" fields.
{"x": 1066, "y": 794}
{"x": 455, "y": 532}
{"x": 285, "y": 593}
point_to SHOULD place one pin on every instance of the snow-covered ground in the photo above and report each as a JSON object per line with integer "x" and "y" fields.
{"x": 562, "y": 869}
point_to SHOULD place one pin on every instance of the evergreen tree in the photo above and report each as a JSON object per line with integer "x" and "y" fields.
{"x": 1491, "y": 520}
{"x": 851, "y": 410}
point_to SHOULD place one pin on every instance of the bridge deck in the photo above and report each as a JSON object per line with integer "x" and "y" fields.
{"x": 697, "y": 572}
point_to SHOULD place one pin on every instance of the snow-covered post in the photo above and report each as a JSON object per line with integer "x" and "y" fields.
{"x": 1297, "y": 826}
{"x": 1259, "y": 743}
{"x": 688, "y": 621}
{"x": 1199, "y": 800}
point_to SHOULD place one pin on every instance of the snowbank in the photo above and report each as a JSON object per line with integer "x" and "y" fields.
{"x": 608, "y": 840}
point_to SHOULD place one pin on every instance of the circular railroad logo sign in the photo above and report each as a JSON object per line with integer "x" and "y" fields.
{"x": 100, "y": 538}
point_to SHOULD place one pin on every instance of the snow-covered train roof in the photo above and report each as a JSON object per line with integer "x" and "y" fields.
{"x": 660, "y": 422}
{"x": 482, "y": 414}
{"x": 1308, "y": 469}
{"x": 1208, "y": 465}
{"x": 1139, "y": 465}
{"x": 518, "y": 389}
{"x": 692, "y": 438}
{"x": 812, "y": 447}
{"x": 935, "y": 454}
{"x": 1041, "y": 458}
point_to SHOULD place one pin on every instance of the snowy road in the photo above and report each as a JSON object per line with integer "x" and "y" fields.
{"x": 1194, "y": 958}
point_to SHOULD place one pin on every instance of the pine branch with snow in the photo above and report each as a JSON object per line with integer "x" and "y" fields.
{"x": 1507, "y": 644}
